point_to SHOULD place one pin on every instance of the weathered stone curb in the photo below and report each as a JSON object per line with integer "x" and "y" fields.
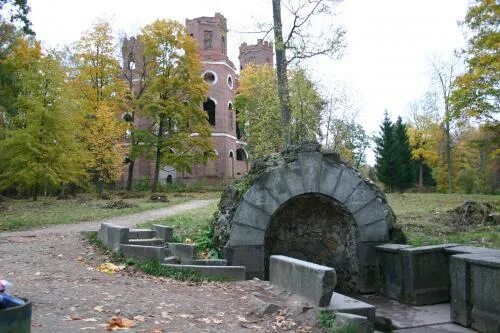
{"x": 143, "y": 253}
{"x": 345, "y": 304}
{"x": 112, "y": 236}
{"x": 360, "y": 324}
{"x": 232, "y": 273}
{"x": 315, "y": 282}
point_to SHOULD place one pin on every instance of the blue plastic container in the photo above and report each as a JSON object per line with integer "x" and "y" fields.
{"x": 16, "y": 319}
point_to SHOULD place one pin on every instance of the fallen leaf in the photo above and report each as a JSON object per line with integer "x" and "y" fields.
{"x": 99, "y": 308}
{"x": 139, "y": 318}
{"x": 74, "y": 317}
{"x": 119, "y": 323}
{"x": 109, "y": 268}
{"x": 242, "y": 319}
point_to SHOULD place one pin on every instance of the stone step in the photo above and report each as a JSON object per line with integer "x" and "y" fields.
{"x": 171, "y": 260}
{"x": 146, "y": 241}
{"x": 182, "y": 251}
{"x": 143, "y": 252}
{"x": 141, "y": 233}
{"x": 233, "y": 273}
{"x": 342, "y": 303}
{"x": 205, "y": 262}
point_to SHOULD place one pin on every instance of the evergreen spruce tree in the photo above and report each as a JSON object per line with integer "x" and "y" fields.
{"x": 404, "y": 167}
{"x": 385, "y": 161}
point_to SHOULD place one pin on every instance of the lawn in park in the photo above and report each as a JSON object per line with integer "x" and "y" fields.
{"x": 25, "y": 214}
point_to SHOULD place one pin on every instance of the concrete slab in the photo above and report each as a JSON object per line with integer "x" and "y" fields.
{"x": 182, "y": 251}
{"x": 141, "y": 233}
{"x": 164, "y": 232}
{"x": 441, "y": 328}
{"x": 315, "y": 282}
{"x": 142, "y": 252}
{"x": 147, "y": 242}
{"x": 407, "y": 315}
{"x": 345, "y": 304}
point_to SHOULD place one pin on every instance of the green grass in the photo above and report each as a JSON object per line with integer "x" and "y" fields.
{"x": 328, "y": 324}
{"x": 417, "y": 212}
{"x": 28, "y": 214}
{"x": 187, "y": 225}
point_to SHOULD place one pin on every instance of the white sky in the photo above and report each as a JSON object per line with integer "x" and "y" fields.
{"x": 386, "y": 62}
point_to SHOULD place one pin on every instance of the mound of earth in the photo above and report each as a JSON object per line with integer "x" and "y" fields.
{"x": 469, "y": 215}
{"x": 118, "y": 204}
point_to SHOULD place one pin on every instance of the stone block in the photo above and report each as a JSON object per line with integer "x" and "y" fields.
{"x": 260, "y": 197}
{"x": 347, "y": 184}
{"x": 276, "y": 184}
{"x": 376, "y": 232}
{"x": 206, "y": 262}
{"x": 163, "y": 232}
{"x": 361, "y": 196}
{"x": 311, "y": 163}
{"x": 141, "y": 233}
{"x": 251, "y": 215}
{"x": 147, "y": 242}
{"x": 294, "y": 178}
{"x": 233, "y": 273}
{"x": 371, "y": 213}
{"x": 250, "y": 256}
{"x": 330, "y": 174}
{"x": 390, "y": 270}
{"x": 246, "y": 235}
{"x": 143, "y": 253}
{"x": 171, "y": 260}
{"x": 475, "y": 295}
{"x": 344, "y": 304}
{"x": 356, "y": 323}
{"x": 112, "y": 236}
{"x": 315, "y": 282}
{"x": 182, "y": 251}
{"x": 461, "y": 249}
{"x": 426, "y": 277}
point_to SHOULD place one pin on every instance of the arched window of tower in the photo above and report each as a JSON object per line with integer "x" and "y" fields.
{"x": 209, "y": 108}
{"x": 131, "y": 65}
{"x": 230, "y": 82}
{"x": 229, "y": 105}
{"x": 210, "y": 77}
{"x": 207, "y": 39}
{"x": 241, "y": 154}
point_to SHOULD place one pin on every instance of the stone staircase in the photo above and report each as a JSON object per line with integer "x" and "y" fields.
{"x": 158, "y": 244}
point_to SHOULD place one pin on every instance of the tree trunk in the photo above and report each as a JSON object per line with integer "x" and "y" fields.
{"x": 100, "y": 188}
{"x": 130, "y": 175}
{"x": 281, "y": 74}
{"x": 421, "y": 174}
{"x": 448, "y": 154}
{"x": 154, "y": 187}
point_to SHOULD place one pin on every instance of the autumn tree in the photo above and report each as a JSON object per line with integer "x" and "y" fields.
{"x": 258, "y": 104}
{"x": 343, "y": 133}
{"x": 443, "y": 75}
{"x": 477, "y": 91}
{"x": 41, "y": 150}
{"x": 424, "y": 133}
{"x": 180, "y": 134}
{"x": 17, "y": 11}
{"x": 300, "y": 43}
{"x": 100, "y": 94}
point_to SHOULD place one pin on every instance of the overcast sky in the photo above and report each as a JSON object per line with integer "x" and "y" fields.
{"x": 385, "y": 64}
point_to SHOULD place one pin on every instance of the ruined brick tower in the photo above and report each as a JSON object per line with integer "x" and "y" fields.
{"x": 258, "y": 54}
{"x": 220, "y": 73}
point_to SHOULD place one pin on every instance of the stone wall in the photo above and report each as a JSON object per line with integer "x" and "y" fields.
{"x": 250, "y": 209}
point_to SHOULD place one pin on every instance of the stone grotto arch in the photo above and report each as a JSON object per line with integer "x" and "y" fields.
{"x": 307, "y": 204}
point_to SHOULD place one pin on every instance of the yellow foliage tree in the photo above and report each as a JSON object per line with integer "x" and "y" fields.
{"x": 100, "y": 95}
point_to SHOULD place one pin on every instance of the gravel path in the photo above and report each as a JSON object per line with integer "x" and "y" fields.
{"x": 125, "y": 220}
{"x": 55, "y": 268}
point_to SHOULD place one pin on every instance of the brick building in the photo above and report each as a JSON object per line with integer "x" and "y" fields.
{"x": 220, "y": 73}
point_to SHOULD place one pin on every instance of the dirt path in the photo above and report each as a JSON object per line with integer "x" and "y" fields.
{"x": 125, "y": 220}
{"x": 56, "y": 269}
